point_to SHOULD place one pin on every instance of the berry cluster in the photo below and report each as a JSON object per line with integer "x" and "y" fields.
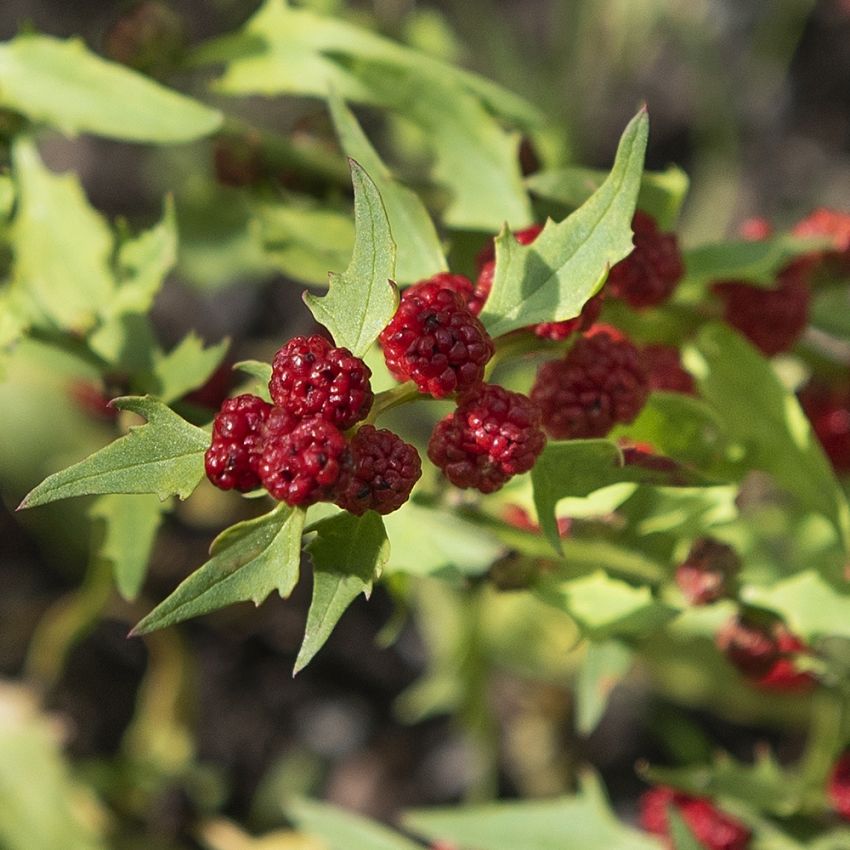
{"x": 296, "y": 447}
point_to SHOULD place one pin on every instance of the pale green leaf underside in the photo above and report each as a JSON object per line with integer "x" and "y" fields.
{"x": 410, "y": 224}
{"x": 63, "y": 84}
{"x": 186, "y": 367}
{"x": 680, "y": 832}
{"x": 551, "y": 279}
{"x": 164, "y": 457}
{"x": 348, "y": 554}
{"x": 248, "y": 561}
{"x": 362, "y": 300}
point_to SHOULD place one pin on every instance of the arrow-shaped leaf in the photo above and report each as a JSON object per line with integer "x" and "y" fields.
{"x": 164, "y": 457}
{"x": 361, "y": 301}
{"x": 249, "y": 560}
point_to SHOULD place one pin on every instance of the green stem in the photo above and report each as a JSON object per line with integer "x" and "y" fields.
{"x": 394, "y": 397}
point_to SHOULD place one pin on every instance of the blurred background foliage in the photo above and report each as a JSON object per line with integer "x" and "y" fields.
{"x": 171, "y": 740}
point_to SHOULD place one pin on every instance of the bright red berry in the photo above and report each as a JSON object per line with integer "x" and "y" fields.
{"x": 561, "y": 330}
{"x": 708, "y": 572}
{"x": 648, "y": 276}
{"x": 714, "y": 829}
{"x": 493, "y": 435}
{"x": 755, "y": 229}
{"x": 664, "y": 370}
{"x": 457, "y": 282}
{"x": 237, "y": 439}
{"x": 838, "y": 789}
{"x": 310, "y": 377}
{"x": 764, "y": 654}
{"x": 828, "y": 409}
{"x": 435, "y": 341}
{"x": 834, "y": 225}
{"x": 600, "y": 382}
{"x": 772, "y": 319}
{"x": 302, "y": 466}
{"x": 381, "y": 473}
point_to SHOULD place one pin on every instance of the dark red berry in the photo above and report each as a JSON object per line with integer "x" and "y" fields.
{"x": 764, "y": 654}
{"x": 457, "y": 282}
{"x": 708, "y": 572}
{"x": 600, "y": 382}
{"x": 381, "y": 473}
{"x": 310, "y": 377}
{"x": 828, "y": 409}
{"x": 648, "y": 276}
{"x": 561, "y": 330}
{"x": 302, "y": 466}
{"x": 664, "y": 370}
{"x": 237, "y": 440}
{"x": 493, "y": 435}
{"x": 435, "y": 341}
{"x": 838, "y": 789}
{"x": 772, "y": 319}
{"x": 714, "y": 829}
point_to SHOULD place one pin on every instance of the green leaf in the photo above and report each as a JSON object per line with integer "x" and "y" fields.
{"x": 62, "y": 84}
{"x": 304, "y": 241}
{"x": 582, "y": 822}
{"x": 7, "y": 196}
{"x": 348, "y": 553}
{"x": 604, "y": 606}
{"x": 248, "y": 561}
{"x": 758, "y": 411}
{"x": 410, "y": 224}
{"x": 830, "y": 312}
{"x": 185, "y": 368}
{"x": 551, "y": 279}
{"x": 661, "y": 192}
{"x": 361, "y": 301}
{"x": 341, "y": 830}
{"x": 62, "y": 245}
{"x": 604, "y": 666}
{"x": 130, "y": 526}
{"x": 755, "y": 262}
{"x": 164, "y": 457}
{"x": 680, "y": 832}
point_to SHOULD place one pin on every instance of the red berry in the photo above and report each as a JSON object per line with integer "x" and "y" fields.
{"x": 772, "y": 319}
{"x": 302, "y": 466}
{"x": 435, "y": 341}
{"x": 381, "y": 474}
{"x": 648, "y": 276}
{"x": 714, "y": 829}
{"x": 600, "y": 382}
{"x": 838, "y": 789}
{"x": 828, "y": 409}
{"x": 763, "y": 653}
{"x": 561, "y": 330}
{"x": 664, "y": 370}
{"x": 237, "y": 439}
{"x": 457, "y": 282}
{"x": 312, "y": 378}
{"x": 834, "y": 225}
{"x": 493, "y": 435}
{"x": 755, "y": 229}
{"x": 483, "y": 286}
{"x": 518, "y": 517}
{"x": 707, "y": 573}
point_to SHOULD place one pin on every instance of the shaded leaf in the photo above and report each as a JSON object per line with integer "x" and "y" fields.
{"x": 680, "y": 832}
{"x": 362, "y": 300}
{"x": 164, "y": 457}
{"x": 348, "y": 553}
{"x": 63, "y": 84}
{"x": 605, "y": 664}
{"x": 185, "y": 368}
{"x": 551, "y": 279}
{"x": 248, "y": 561}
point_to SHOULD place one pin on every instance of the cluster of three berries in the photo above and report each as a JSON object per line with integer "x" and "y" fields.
{"x": 297, "y": 449}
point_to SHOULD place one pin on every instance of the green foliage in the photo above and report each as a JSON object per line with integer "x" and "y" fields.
{"x": 62, "y": 84}
{"x": 551, "y": 279}
{"x": 605, "y": 664}
{"x": 361, "y": 301}
{"x": 185, "y": 368}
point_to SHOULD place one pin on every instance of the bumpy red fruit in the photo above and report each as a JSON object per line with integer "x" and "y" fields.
{"x": 493, "y": 435}
{"x": 237, "y": 439}
{"x": 600, "y": 382}
{"x": 664, "y": 370}
{"x": 381, "y": 473}
{"x": 310, "y": 377}
{"x": 648, "y": 276}
{"x": 714, "y": 829}
{"x": 838, "y": 789}
{"x": 764, "y": 654}
{"x": 772, "y": 319}
{"x": 708, "y": 572}
{"x": 828, "y": 409}
{"x": 561, "y": 330}
{"x": 435, "y": 341}
{"x": 303, "y": 466}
